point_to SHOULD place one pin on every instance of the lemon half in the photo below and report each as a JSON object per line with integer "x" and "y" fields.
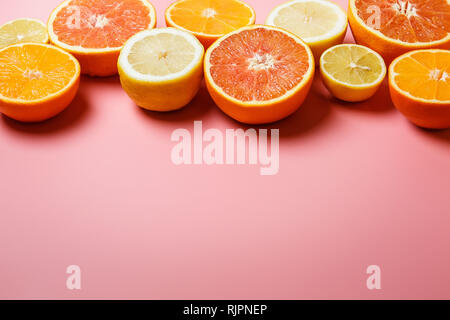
{"x": 161, "y": 69}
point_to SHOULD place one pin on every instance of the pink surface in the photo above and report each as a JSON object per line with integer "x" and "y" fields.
{"x": 95, "y": 187}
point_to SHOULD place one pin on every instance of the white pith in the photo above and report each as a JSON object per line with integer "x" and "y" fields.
{"x": 406, "y": 8}
{"x": 261, "y": 62}
{"x": 209, "y": 13}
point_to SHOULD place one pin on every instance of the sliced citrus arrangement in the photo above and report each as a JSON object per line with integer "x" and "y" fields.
{"x": 320, "y": 23}
{"x": 161, "y": 69}
{"x": 208, "y": 20}
{"x": 352, "y": 72}
{"x": 95, "y": 31}
{"x": 259, "y": 74}
{"x": 393, "y": 27}
{"x": 419, "y": 82}
{"x": 21, "y": 31}
{"x": 37, "y": 81}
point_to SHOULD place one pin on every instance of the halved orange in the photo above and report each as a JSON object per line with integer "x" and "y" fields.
{"x": 419, "y": 83}
{"x": 37, "y": 81}
{"x": 394, "y": 27}
{"x": 259, "y": 74}
{"x": 208, "y": 20}
{"x": 95, "y": 31}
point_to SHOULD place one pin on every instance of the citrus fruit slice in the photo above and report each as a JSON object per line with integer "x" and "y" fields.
{"x": 162, "y": 69}
{"x": 23, "y": 30}
{"x": 352, "y": 72}
{"x": 95, "y": 31}
{"x": 208, "y": 20}
{"x": 37, "y": 81}
{"x": 259, "y": 74}
{"x": 320, "y": 23}
{"x": 393, "y": 27}
{"x": 419, "y": 82}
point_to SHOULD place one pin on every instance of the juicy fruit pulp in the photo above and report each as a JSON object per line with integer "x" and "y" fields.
{"x": 95, "y": 24}
{"x": 407, "y": 20}
{"x": 354, "y": 65}
{"x": 21, "y": 31}
{"x": 161, "y": 69}
{"x": 258, "y": 64}
{"x": 352, "y": 72}
{"x": 32, "y": 72}
{"x": 320, "y": 23}
{"x": 210, "y": 19}
{"x": 259, "y": 74}
{"x": 161, "y": 54}
{"x": 95, "y": 31}
{"x": 424, "y": 75}
{"x": 37, "y": 81}
{"x": 419, "y": 83}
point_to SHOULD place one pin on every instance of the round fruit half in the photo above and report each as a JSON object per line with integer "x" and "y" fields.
{"x": 393, "y": 27}
{"x": 37, "y": 81}
{"x": 23, "y": 30}
{"x": 209, "y": 20}
{"x": 259, "y": 74}
{"x": 161, "y": 69}
{"x": 352, "y": 72}
{"x": 320, "y": 23}
{"x": 95, "y": 31}
{"x": 419, "y": 82}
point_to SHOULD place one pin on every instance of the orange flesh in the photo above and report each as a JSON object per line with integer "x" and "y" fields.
{"x": 214, "y": 17}
{"x": 32, "y": 72}
{"x": 408, "y": 20}
{"x": 103, "y": 24}
{"x": 425, "y": 75}
{"x": 258, "y": 64}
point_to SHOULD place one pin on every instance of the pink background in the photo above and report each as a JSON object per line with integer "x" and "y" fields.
{"x": 358, "y": 185}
